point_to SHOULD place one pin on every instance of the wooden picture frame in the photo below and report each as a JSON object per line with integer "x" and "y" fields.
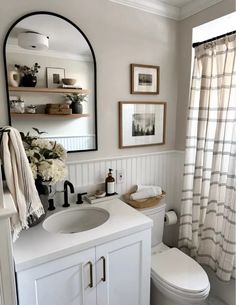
{"x": 54, "y": 77}
{"x": 142, "y": 124}
{"x": 144, "y": 79}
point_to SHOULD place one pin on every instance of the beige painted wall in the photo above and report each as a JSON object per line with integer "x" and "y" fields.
{"x": 184, "y": 60}
{"x": 119, "y": 35}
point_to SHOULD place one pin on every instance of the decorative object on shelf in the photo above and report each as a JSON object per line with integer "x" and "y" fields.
{"x": 47, "y": 161}
{"x": 30, "y": 109}
{"x": 54, "y": 77}
{"x": 58, "y": 109}
{"x": 28, "y": 75}
{"x": 69, "y": 81}
{"x": 76, "y": 86}
{"x": 141, "y": 123}
{"x": 77, "y": 99}
{"x": 17, "y": 104}
{"x": 14, "y": 78}
{"x": 144, "y": 79}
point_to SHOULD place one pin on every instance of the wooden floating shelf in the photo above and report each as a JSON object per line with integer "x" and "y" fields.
{"x": 47, "y": 90}
{"x": 44, "y": 115}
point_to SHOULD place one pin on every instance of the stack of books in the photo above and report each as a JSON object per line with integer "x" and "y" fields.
{"x": 71, "y": 86}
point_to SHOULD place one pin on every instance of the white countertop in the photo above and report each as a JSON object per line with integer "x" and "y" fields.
{"x": 36, "y": 246}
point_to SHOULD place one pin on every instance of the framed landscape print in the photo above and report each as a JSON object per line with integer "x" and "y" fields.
{"x": 141, "y": 123}
{"x": 54, "y": 77}
{"x": 144, "y": 79}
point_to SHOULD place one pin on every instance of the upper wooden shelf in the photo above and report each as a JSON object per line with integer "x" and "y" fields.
{"x": 44, "y": 115}
{"x": 47, "y": 90}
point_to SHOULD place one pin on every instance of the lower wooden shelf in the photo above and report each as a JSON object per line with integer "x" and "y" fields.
{"x": 44, "y": 115}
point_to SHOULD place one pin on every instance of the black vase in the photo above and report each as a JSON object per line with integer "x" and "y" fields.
{"x": 77, "y": 107}
{"x": 28, "y": 81}
{"x": 43, "y": 194}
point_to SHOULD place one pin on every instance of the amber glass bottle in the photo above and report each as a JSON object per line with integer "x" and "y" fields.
{"x": 110, "y": 184}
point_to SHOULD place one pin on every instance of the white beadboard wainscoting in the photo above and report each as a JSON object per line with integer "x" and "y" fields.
{"x": 161, "y": 168}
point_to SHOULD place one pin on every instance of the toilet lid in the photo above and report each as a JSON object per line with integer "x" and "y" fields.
{"x": 180, "y": 271}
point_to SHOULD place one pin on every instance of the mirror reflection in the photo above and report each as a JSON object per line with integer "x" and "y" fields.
{"x": 50, "y": 69}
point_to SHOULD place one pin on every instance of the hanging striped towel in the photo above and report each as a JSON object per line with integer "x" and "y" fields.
{"x": 20, "y": 181}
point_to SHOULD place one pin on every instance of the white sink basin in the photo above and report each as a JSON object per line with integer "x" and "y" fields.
{"x": 75, "y": 220}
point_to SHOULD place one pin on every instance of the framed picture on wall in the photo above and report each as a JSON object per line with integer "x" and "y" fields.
{"x": 54, "y": 77}
{"x": 144, "y": 79}
{"x": 141, "y": 123}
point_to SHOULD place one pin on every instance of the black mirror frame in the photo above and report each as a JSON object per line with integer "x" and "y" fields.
{"x": 94, "y": 63}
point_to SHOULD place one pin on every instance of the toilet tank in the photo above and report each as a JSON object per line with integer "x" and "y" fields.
{"x": 157, "y": 214}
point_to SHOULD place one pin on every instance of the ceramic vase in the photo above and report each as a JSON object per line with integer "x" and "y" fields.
{"x": 43, "y": 191}
{"x": 14, "y": 78}
{"x": 77, "y": 107}
{"x": 28, "y": 80}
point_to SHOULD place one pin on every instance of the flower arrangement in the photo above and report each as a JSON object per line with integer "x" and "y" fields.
{"x": 46, "y": 158}
{"x": 25, "y": 70}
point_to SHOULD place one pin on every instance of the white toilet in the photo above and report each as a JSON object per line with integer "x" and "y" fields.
{"x": 176, "y": 279}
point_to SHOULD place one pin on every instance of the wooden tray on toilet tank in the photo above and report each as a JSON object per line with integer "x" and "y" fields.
{"x": 143, "y": 203}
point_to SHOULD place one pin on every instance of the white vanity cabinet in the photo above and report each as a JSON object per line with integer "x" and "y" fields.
{"x": 64, "y": 281}
{"x": 113, "y": 273}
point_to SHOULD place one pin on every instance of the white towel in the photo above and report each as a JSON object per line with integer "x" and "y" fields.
{"x": 143, "y": 194}
{"x": 157, "y": 189}
{"x": 19, "y": 180}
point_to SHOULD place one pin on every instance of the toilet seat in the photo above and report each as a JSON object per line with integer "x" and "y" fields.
{"x": 179, "y": 276}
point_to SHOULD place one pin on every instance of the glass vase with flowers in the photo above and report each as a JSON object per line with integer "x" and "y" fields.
{"x": 47, "y": 161}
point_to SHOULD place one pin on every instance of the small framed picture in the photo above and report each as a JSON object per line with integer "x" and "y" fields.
{"x": 144, "y": 79}
{"x": 54, "y": 77}
{"x": 141, "y": 123}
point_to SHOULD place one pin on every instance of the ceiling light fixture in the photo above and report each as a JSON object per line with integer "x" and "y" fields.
{"x": 33, "y": 41}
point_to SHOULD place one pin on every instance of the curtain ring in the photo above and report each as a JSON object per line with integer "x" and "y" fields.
{"x": 209, "y": 45}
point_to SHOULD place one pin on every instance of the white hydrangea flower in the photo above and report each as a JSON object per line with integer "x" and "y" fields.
{"x": 60, "y": 151}
{"x": 47, "y": 159}
{"x": 34, "y": 170}
{"x": 52, "y": 170}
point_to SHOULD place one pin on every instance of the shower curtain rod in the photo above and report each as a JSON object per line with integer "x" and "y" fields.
{"x": 196, "y": 44}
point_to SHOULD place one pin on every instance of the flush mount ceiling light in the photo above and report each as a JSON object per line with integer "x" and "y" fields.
{"x": 33, "y": 41}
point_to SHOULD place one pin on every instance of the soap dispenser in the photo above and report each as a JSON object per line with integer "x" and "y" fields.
{"x": 110, "y": 184}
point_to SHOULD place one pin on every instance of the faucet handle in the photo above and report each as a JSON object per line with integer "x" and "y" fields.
{"x": 79, "y": 198}
{"x": 51, "y": 205}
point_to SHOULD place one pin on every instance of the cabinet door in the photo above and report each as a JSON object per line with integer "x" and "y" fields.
{"x": 64, "y": 281}
{"x": 123, "y": 270}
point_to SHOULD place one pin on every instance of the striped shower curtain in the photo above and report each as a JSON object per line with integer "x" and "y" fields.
{"x": 208, "y": 209}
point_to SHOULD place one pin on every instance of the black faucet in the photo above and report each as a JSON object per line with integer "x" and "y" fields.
{"x": 67, "y": 183}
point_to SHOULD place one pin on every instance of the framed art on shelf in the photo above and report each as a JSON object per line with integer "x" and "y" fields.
{"x": 54, "y": 77}
{"x": 144, "y": 79}
{"x": 141, "y": 123}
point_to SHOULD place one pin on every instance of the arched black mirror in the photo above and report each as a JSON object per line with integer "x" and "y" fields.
{"x": 51, "y": 80}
